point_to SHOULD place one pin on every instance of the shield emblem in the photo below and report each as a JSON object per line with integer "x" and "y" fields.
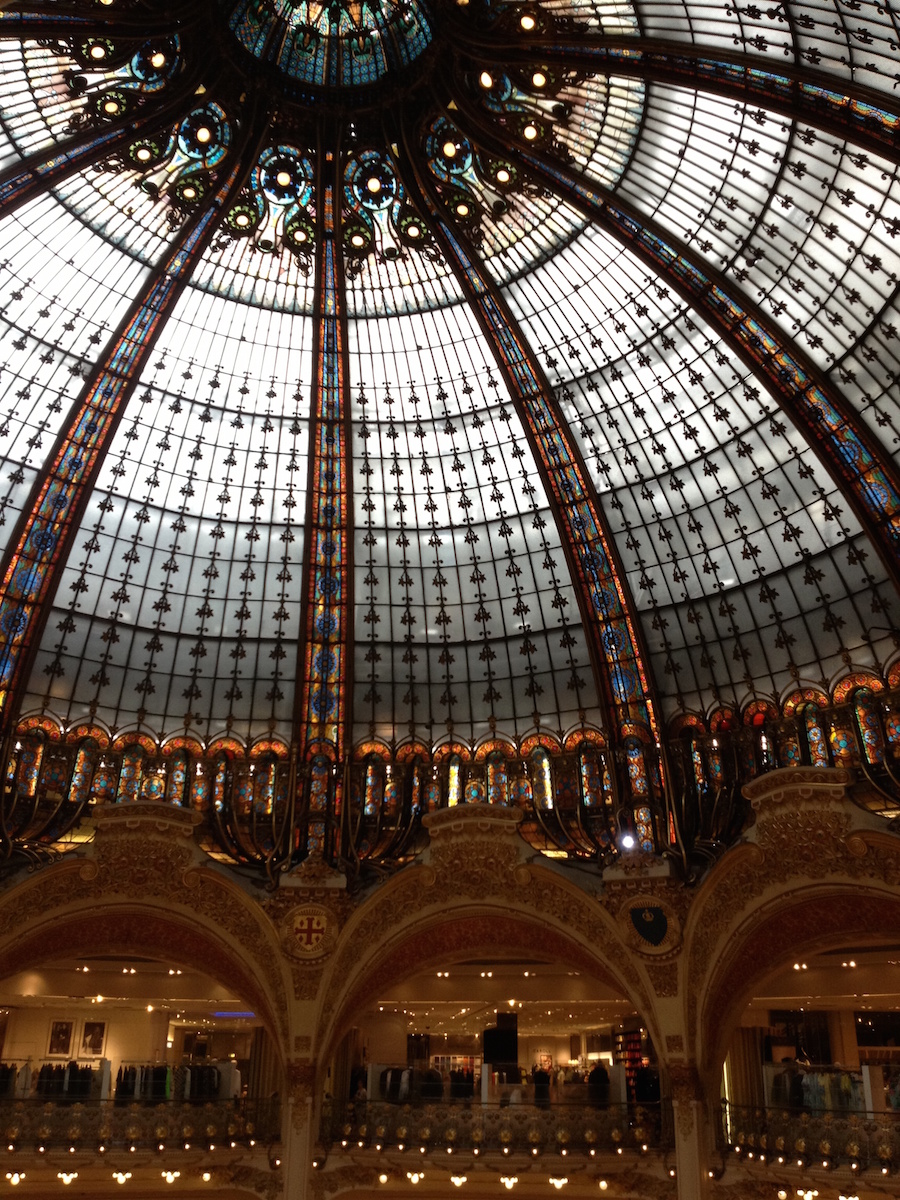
{"x": 651, "y": 923}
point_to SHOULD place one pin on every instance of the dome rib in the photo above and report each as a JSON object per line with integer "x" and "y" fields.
{"x": 616, "y": 653}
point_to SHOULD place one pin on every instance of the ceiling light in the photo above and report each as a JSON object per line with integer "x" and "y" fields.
{"x": 530, "y": 132}
{"x": 486, "y": 80}
{"x": 203, "y": 135}
{"x": 539, "y": 79}
{"x": 449, "y": 149}
{"x": 527, "y": 23}
{"x": 157, "y": 60}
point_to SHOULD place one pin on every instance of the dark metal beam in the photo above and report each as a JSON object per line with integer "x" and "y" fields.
{"x": 837, "y": 106}
{"x": 610, "y": 622}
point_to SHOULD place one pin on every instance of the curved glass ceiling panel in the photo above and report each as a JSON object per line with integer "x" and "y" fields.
{"x": 466, "y": 614}
{"x": 181, "y": 599}
{"x": 63, "y": 290}
{"x": 734, "y": 540}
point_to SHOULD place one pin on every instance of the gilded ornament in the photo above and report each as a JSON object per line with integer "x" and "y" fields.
{"x": 824, "y": 1146}
{"x": 562, "y": 1136}
{"x": 425, "y": 1133}
{"x": 450, "y": 1134}
{"x": 590, "y": 1136}
{"x": 506, "y": 1135}
{"x": 852, "y": 1149}
{"x": 800, "y": 1145}
{"x": 616, "y": 1135}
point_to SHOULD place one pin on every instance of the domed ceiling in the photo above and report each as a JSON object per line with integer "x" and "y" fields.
{"x": 386, "y": 371}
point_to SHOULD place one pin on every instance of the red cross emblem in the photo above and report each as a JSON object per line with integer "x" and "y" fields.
{"x": 308, "y": 926}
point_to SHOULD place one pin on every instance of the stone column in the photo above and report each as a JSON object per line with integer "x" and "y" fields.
{"x": 694, "y": 1135}
{"x": 298, "y": 1132}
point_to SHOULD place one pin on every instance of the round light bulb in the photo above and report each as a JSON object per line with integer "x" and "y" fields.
{"x": 283, "y": 178}
{"x": 242, "y": 219}
{"x": 203, "y": 135}
{"x": 413, "y": 231}
{"x": 462, "y": 210}
{"x": 98, "y": 52}
{"x": 357, "y": 240}
{"x": 449, "y": 149}
{"x": 190, "y": 193}
{"x": 530, "y": 132}
{"x": 374, "y": 185}
{"x": 503, "y": 175}
{"x": 527, "y": 22}
{"x": 539, "y": 79}
{"x": 157, "y": 60}
{"x": 487, "y": 80}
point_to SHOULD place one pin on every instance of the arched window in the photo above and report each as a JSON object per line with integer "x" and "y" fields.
{"x": 153, "y": 780}
{"x": 454, "y": 781}
{"x": 82, "y": 772}
{"x": 130, "y": 775}
{"x": 868, "y": 723}
{"x": 374, "y": 787}
{"x": 497, "y": 778}
{"x": 541, "y": 779}
{"x": 179, "y": 773}
{"x": 815, "y": 742}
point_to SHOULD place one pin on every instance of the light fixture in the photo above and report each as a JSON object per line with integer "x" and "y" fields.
{"x": 283, "y": 178}
{"x": 558, "y": 1182}
{"x": 539, "y": 79}
{"x": 97, "y": 52}
{"x": 530, "y": 132}
{"x": 527, "y": 22}
{"x": 203, "y": 135}
{"x": 373, "y": 184}
{"x": 171, "y": 1176}
{"x": 157, "y": 60}
{"x": 121, "y": 1176}
{"x": 415, "y": 1176}
{"x": 458, "y": 1180}
{"x": 486, "y": 79}
{"x": 449, "y": 149}
{"x": 15, "y": 1177}
{"x": 509, "y": 1181}
{"x": 66, "y": 1177}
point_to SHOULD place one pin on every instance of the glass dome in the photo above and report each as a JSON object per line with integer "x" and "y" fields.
{"x": 449, "y": 379}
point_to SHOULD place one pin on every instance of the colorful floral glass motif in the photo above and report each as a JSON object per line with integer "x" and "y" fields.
{"x": 541, "y": 779}
{"x": 643, "y": 828}
{"x": 346, "y": 44}
{"x": 178, "y": 777}
{"x": 454, "y": 781}
{"x": 869, "y": 725}
{"x": 373, "y": 788}
{"x": 497, "y": 778}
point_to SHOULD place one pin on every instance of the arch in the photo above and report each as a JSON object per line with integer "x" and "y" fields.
{"x": 132, "y": 928}
{"x": 811, "y": 920}
{"x": 442, "y": 914}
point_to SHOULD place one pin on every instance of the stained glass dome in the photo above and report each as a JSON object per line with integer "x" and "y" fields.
{"x": 439, "y": 385}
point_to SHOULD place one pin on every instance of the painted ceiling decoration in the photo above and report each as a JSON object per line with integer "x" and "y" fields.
{"x": 405, "y": 402}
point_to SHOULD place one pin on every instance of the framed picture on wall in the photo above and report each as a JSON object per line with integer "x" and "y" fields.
{"x": 93, "y": 1039}
{"x": 60, "y": 1044}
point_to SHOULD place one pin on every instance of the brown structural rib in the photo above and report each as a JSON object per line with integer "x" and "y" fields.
{"x": 324, "y": 689}
{"x": 62, "y": 21}
{"x": 838, "y": 106}
{"x": 610, "y": 622}
{"x": 864, "y": 472}
{"x": 48, "y": 524}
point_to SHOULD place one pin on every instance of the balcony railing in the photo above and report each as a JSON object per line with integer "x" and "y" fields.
{"x": 30, "y": 1124}
{"x": 833, "y": 1138}
{"x": 474, "y": 1129}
